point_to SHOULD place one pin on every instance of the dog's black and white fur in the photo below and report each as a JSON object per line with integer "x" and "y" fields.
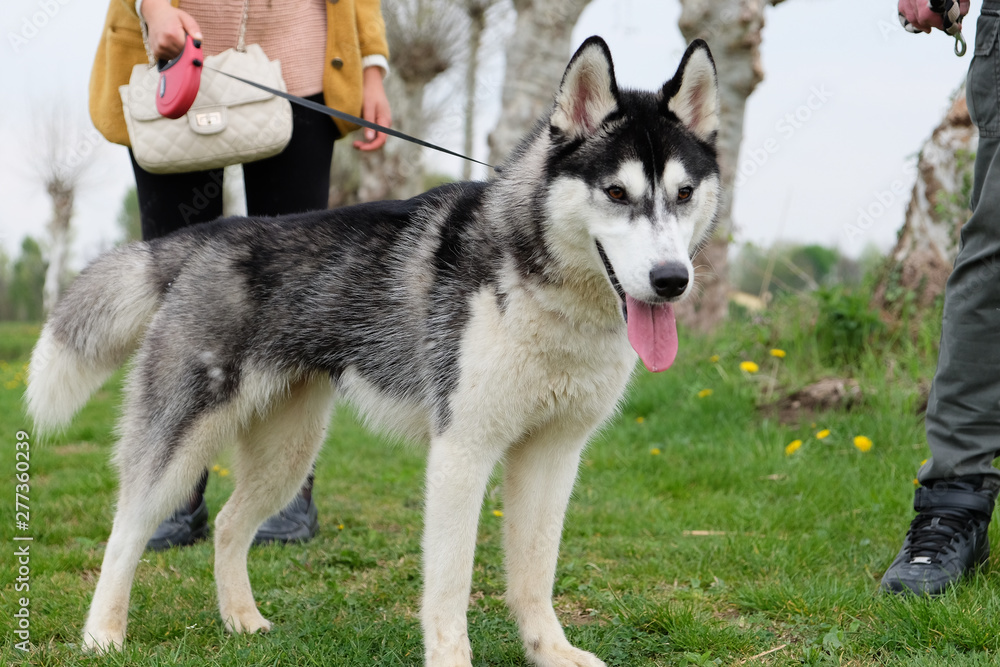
{"x": 488, "y": 319}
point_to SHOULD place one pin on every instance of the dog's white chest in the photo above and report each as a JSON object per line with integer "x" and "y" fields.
{"x": 539, "y": 367}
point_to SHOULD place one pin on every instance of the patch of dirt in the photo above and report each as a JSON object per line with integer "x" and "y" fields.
{"x": 573, "y": 612}
{"x": 822, "y": 396}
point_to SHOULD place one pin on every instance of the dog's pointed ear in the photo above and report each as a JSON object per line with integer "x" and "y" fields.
{"x": 693, "y": 94}
{"x": 588, "y": 93}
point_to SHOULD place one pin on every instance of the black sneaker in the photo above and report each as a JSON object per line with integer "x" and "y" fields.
{"x": 947, "y": 539}
{"x": 298, "y": 522}
{"x": 181, "y": 529}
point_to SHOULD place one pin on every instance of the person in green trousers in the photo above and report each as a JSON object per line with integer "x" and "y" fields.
{"x": 959, "y": 484}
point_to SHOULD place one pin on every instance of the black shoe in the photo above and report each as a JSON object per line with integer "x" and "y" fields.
{"x": 947, "y": 539}
{"x": 298, "y": 522}
{"x": 182, "y": 529}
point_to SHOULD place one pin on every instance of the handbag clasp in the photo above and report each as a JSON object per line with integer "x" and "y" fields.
{"x": 207, "y": 118}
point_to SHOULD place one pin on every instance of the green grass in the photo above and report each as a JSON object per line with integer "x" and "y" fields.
{"x": 714, "y": 550}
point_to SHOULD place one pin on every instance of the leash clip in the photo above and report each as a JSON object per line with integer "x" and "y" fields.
{"x": 960, "y": 45}
{"x": 951, "y": 19}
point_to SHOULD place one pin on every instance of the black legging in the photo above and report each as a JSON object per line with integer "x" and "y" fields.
{"x": 295, "y": 180}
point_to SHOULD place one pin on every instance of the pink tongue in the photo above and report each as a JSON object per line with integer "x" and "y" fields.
{"x": 652, "y": 331}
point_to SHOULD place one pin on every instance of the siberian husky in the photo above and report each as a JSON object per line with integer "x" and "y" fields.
{"x": 495, "y": 321}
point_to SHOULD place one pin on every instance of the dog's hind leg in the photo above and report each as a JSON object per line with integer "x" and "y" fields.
{"x": 274, "y": 457}
{"x": 457, "y": 474}
{"x": 538, "y": 479}
{"x": 153, "y": 480}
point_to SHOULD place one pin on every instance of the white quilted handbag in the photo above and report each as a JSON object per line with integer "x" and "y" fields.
{"x": 229, "y": 122}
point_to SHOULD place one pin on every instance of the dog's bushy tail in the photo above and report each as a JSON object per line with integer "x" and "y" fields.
{"x": 92, "y": 331}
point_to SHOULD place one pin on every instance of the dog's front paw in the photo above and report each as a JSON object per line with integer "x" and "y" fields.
{"x": 102, "y": 641}
{"x": 249, "y": 621}
{"x": 561, "y": 655}
{"x": 448, "y": 656}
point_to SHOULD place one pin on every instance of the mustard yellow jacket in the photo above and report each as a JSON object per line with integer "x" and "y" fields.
{"x": 354, "y": 29}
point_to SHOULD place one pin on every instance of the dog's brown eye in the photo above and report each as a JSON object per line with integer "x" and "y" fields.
{"x": 684, "y": 193}
{"x": 616, "y": 193}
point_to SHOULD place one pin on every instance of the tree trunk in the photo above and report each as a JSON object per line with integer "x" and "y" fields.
{"x": 422, "y": 35}
{"x": 62, "y": 194}
{"x": 536, "y": 57}
{"x": 396, "y": 171}
{"x": 732, "y": 29}
{"x": 920, "y": 263}
{"x": 476, "y": 11}
{"x": 62, "y": 153}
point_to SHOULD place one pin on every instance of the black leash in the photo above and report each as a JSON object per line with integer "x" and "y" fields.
{"x": 316, "y": 106}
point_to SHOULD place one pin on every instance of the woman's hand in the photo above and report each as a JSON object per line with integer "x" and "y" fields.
{"x": 374, "y": 108}
{"x": 167, "y": 28}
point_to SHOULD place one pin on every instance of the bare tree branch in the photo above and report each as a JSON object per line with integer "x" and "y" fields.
{"x": 62, "y": 154}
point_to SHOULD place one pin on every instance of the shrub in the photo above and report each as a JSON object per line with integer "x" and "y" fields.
{"x": 845, "y": 325}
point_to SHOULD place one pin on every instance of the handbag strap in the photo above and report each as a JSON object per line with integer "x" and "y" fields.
{"x": 241, "y": 39}
{"x": 145, "y": 42}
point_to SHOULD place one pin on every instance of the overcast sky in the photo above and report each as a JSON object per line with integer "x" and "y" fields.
{"x": 847, "y": 100}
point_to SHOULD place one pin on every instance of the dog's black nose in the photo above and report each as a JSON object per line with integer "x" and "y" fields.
{"x": 669, "y": 280}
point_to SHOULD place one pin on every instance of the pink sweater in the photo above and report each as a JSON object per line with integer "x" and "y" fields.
{"x": 292, "y": 31}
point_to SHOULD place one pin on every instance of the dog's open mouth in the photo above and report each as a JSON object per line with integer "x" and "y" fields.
{"x": 652, "y": 329}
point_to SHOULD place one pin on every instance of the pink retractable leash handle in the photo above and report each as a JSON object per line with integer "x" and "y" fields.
{"x": 179, "y": 80}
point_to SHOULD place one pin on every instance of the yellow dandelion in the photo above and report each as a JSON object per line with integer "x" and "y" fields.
{"x": 497, "y": 513}
{"x": 714, "y": 358}
{"x": 340, "y": 526}
{"x": 792, "y": 447}
{"x": 639, "y": 420}
{"x": 916, "y": 482}
{"x": 216, "y": 468}
{"x": 825, "y": 433}
{"x": 704, "y": 393}
{"x": 749, "y": 367}
{"x": 224, "y": 472}
{"x": 923, "y": 462}
{"x": 862, "y": 442}
{"x": 655, "y": 451}
{"x": 780, "y": 354}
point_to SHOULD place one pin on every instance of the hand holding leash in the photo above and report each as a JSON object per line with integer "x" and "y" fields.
{"x": 375, "y": 109}
{"x": 168, "y": 28}
{"x": 945, "y": 15}
{"x": 179, "y": 80}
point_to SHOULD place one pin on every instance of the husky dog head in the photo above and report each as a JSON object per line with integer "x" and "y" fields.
{"x": 641, "y": 171}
